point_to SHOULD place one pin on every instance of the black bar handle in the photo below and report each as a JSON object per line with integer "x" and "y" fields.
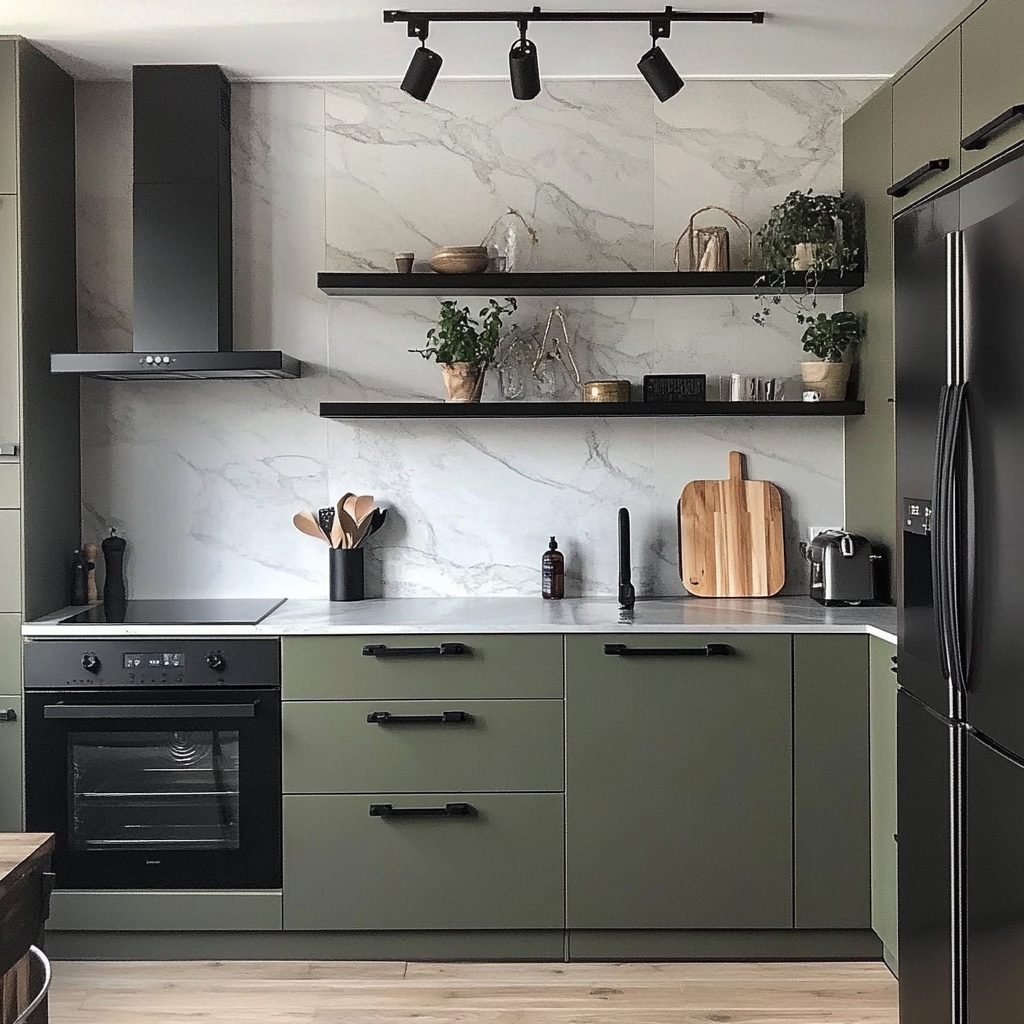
{"x": 101, "y": 712}
{"x": 904, "y": 185}
{"x": 980, "y": 138}
{"x": 448, "y": 811}
{"x": 387, "y": 718}
{"x": 8, "y": 715}
{"x": 707, "y": 651}
{"x": 937, "y": 536}
{"x": 441, "y": 651}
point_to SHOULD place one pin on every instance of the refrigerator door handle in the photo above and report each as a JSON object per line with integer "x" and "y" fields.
{"x": 938, "y": 533}
{"x": 960, "y": 486}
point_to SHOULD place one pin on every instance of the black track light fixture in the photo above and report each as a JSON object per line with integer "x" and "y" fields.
{"x": 424, "y": 66}
{"x": 663, "y": 79}
{"x": 523, "y": 70}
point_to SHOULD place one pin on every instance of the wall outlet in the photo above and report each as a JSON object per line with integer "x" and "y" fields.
{"x": 813, "y": 531}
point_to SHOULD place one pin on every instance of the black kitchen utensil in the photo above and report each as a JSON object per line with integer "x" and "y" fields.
{"x": 113, "y": 580}
{"x": 325, "y": 517}
{"x": 376, "y": 521}
{"x": 627, "y": 595}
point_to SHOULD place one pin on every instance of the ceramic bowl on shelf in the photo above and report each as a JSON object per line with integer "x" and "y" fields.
{"x": 459, "y": 259}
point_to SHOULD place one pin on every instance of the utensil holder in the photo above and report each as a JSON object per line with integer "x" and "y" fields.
{"x": 346, "y": 574}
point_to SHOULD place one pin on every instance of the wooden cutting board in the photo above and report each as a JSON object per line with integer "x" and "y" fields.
{"x": 730, "y": 536}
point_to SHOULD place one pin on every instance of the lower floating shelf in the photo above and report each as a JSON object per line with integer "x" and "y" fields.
{"x": 594, "y": 410}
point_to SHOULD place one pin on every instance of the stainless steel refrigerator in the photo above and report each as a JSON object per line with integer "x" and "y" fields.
{"x": 960, "y": 489}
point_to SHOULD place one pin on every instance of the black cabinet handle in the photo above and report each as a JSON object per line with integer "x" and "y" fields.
{"x": 442, "y": 651}
{"x": 904, "y": 185}
{"x": 707, "y": 651}
{"x": 386, "y": 718}
{"x": 980, "y": 138}
{"x": 448, "y": 811}
{"x": 894, "y": 663}
{"x": 8, "y": 715}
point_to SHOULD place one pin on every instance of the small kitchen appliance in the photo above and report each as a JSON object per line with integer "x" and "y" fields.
{"x": 842, "y": 568}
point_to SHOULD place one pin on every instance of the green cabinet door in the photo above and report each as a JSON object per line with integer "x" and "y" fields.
{"x": 926, "y": 119}
{"x": 679, "y": 808}
{"x": 993, "y": 76}
{"x": 485, "y": 667}
{"x": 10, "y": 545}
{"x": 8, "y": 117}
{"x": 491, "y": 746}
{"x": 883, "y": 795}
{"x": 10, "y": 485}
{"x": 10, "y": 331}
{"x": 10, "y": 762}
{"x": 831, "y": 801}
{"x": 499, "y": 867}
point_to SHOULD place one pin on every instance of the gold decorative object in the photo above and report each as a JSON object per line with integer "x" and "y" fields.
{"x": 606, "y": 391}
{"x": 709, "y": 246}
{"x": 554, "y": 348}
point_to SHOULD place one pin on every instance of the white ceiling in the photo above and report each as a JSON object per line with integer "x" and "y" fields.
{"x": 275, "y": 39}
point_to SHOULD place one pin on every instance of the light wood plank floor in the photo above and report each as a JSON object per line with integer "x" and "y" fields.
{"x": 299, "y": 992}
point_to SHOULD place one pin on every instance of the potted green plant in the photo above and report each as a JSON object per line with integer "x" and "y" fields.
{"x": 808, "y": 232}
{"x": 463, "y": 346}
{"x": 828, "y": 338}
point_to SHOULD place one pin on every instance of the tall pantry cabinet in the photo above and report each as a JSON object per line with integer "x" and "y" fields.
{"x": 40, "y": 487}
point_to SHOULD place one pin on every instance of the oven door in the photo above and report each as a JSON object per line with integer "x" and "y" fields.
{"x": 157, "y": 789}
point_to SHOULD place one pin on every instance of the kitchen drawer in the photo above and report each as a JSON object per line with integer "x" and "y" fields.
{"x": 499, "y": 868}
{"x": 993, "y": 77}
{"x": 10, "y": 545}
{"x": 926, "y": 119}
{"x": 10, "y": 762}
{"x": 501, "y": 746}
{"x": 679, "y": 783}
{"x": 335, "y": 667}
{"x": 10, "y": 485}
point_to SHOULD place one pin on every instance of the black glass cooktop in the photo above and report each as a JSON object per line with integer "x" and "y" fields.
{"x": 243, "y": 611}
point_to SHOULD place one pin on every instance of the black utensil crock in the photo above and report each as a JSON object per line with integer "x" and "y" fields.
{"x": 346, "y": 576}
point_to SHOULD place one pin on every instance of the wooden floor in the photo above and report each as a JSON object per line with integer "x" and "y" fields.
{"x": 281, "y": 992}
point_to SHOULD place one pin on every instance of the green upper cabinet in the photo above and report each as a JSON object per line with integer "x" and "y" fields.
{"x": 926, "y": 120}
{"x": 8, "y": 117}
{"x": 679, "y": 806}
{"x": 10, "y": 414}
{"x": 993, "y": 78}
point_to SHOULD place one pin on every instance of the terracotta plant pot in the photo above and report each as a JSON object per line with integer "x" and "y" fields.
{"x": 463, "y": 382}
{"x": 828, "y": 379}
{"x": 803, "y": 256}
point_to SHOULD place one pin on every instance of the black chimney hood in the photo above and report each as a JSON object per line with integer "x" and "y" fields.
{"x": 182, "y": 237}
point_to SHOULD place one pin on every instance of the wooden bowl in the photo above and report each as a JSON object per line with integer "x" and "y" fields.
{"x": 606, "y": 391}
{"x": 459, "y": 259}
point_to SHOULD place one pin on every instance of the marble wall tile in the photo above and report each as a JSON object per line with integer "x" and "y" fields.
{"x": 203, "y": 477}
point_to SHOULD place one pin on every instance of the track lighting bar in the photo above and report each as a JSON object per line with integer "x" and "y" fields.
{"x": 537, "y": 15}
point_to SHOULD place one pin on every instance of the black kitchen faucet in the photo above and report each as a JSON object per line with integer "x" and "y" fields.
{"x": 627, "y": 595}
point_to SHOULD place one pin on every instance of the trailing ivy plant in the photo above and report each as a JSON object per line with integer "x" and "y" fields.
{"x": 828, "y": 337}
{"x": 832, "y": 224}
{"x": 461, "y": 338}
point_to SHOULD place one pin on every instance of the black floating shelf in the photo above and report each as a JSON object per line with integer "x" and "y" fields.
{"x": 561, "y": 283}
{"x": 594, "y": 410}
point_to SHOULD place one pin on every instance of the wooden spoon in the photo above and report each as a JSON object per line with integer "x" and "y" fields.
{"x": 306, "y": 523}
{"x": 350, "y": 500}
{"x": 362, "y": 529}
{"x": 364, "y": 506}
{"x": 347, "y": 524}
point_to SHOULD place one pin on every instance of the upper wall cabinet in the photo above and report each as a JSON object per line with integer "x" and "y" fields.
{"x": 993, "y": 81}
{"x": 8, "y": 122}
{"x": 926, "y": 123}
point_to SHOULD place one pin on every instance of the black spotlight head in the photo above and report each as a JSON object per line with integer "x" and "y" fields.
{"x": 523, "y": 69}
{"x": 423, "y": 69}
{"x": 663, "y": 79}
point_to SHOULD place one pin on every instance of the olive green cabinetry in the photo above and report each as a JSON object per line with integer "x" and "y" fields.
{"x": 423, "y": 791}
{"x": 883, "y": 797}
{"x": 831, "y": 794}
{"x": 993, "y": 77}
{"x": 10, "y": 762}
{"x": 926, "y": 119}
{"x": 679, "y": 810}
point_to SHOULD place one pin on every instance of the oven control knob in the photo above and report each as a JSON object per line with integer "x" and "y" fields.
{"x": 90, "y": 663}
{"x": 216, "y": 662}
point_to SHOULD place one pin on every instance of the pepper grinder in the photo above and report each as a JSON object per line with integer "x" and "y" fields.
{"x": 113, "y": 581}
{"x": 91, "y": 552}
{"x": 79, "y": 579}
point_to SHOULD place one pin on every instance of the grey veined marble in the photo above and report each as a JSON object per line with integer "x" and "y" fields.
{"x": 203, "y": 478}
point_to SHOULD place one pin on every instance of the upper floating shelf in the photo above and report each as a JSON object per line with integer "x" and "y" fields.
{"x": 561, "y": 283}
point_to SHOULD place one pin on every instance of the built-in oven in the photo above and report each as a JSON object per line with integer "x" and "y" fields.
{"x": 157, "y": 762}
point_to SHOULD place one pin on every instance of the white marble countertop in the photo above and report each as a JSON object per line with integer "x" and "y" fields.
{"x": 517, "y": 615}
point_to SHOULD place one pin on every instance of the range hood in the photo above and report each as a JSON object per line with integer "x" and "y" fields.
{"x": 182, "y": 237}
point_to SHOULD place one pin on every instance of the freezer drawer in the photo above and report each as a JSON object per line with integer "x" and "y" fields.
{"x": 995, "y": 885}
{"x": 494, "y": 861}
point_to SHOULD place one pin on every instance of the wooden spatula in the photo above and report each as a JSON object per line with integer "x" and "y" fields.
{"x": 306, "y": 522}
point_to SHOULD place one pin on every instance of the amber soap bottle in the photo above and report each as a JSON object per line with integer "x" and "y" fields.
{"x": 552, "y": 567}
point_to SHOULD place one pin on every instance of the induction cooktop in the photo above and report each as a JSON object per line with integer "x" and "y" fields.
{"x": 242, "y": 611}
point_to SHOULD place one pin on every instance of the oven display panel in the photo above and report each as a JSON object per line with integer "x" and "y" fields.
{"x": 154, "y": 661}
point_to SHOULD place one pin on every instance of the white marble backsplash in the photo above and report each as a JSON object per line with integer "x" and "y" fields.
{"x": 202, "y": 478}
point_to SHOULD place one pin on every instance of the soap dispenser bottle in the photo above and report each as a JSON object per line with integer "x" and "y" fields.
{"x": 553, "y": 572}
